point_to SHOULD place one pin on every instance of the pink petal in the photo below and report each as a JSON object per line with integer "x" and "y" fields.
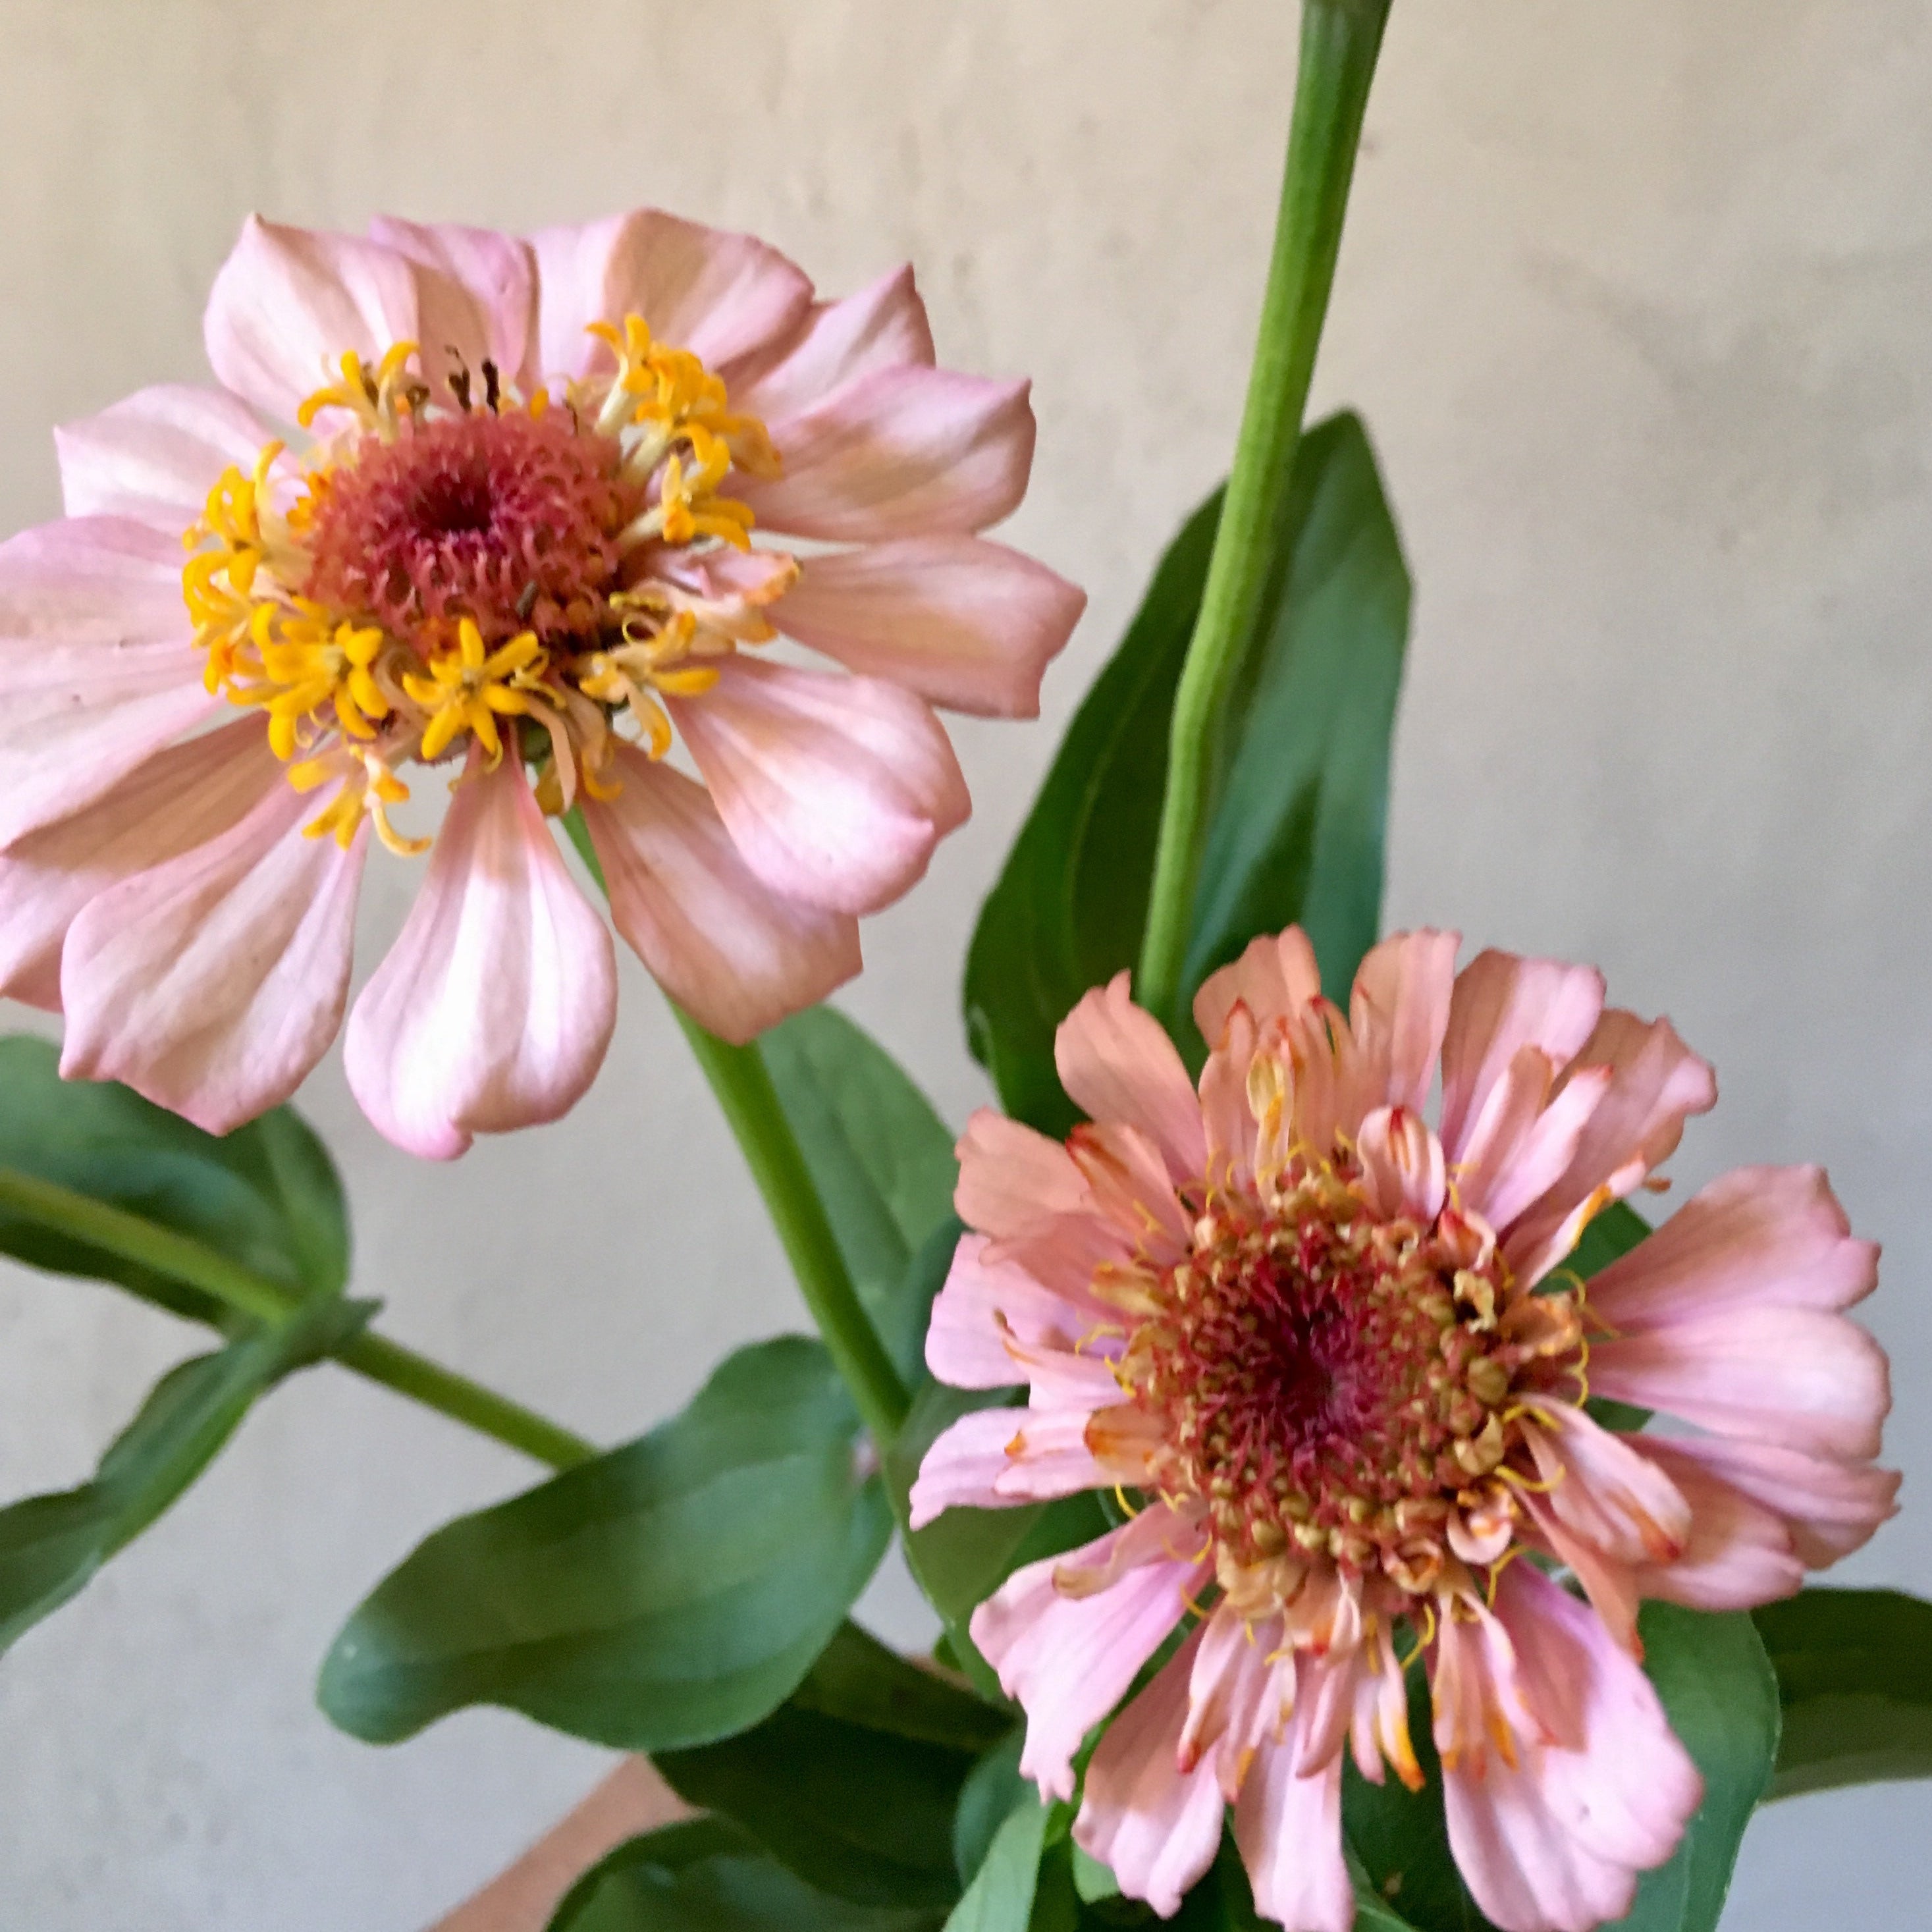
{"x": 155, "y": 456}
{"x": 734, "y": 955}
{"x": 1274, "y": 979}
{"x": 986, "y": 1305}
{"x": 1224, "y": 1113}
{"x": 835, "y": 789}
{"x": 1602, "y": 1490}
{"x": 181, "y": 797}
{"x": 1517, "y": 1154}
{"x": 288, "y": 302}
{"x": 1797, "y": 1376}
{"x": 1502, "y": 1003}
{"x": 97, "y": 668}
{"x": 1555, "y": 1843}
{"x": 1288, "y": 1829}
{"x": 212, "y": 983}
{"x": 1739, "y": 1553}
{"x": 1758, "y": 1237}
{"x": 882, "y": 327}
{"x": 1157, "y": 1827}
{"x": 1234, "y": 1695}
{"x": 1120, "y": 1068}
{"x": 1831, "y": 1507}
{"x": 1131, "y": 1188}
{"x": 903, "y": 452}
{"x": 1403, "y": 1172}
{"x": 996, "y": 1457}
{"x": 962, "y": 621}
{"x": 1398, "y": 1011}
{"x": 494, "y": 1007}
{"x": 1158, "y": 1534}
{"x": 1656, "y": 1082}
{"x": 478, "y": 296}
{"x": 720, "y": 296}
{"x": 1069, "y": 1660}
{"x": 1013, "y": 1179}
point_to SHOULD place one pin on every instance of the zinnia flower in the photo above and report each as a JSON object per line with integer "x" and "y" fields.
{"x": 1335, "y": 1357}
{"x": 508, "y": 534}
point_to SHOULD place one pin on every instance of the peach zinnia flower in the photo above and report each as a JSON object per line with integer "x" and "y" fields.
{"x": 1336, "y": 1354}
{"x": 510, "y": 535}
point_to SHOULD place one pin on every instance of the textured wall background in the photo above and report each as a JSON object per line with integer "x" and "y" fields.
{"x": 1634, "y": 298}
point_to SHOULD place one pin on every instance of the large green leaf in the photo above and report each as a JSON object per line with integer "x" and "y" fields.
{"x": 1068, "y": 910}
{"x": 265, "y": 1195}
{"x": 1297, "y": 832}
{"x": 881, "y": 1157}
{"x": 1001, "y": 1898}
{"x": 51, "y": 1545}
{"x": 1718, "y": 1688}
{"x": 1718, "y": 1691}
{"x": 671, "y": 1592}
{"x": 708, "y": 1876}
{"x": 1854, "y": 1672}
{"x": 852, "y": 1782}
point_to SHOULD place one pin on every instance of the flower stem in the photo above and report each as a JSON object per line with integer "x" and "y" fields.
{"x": 1340, "y": 41}
{"x": 132, "y": 1238}
{"x": 743, "y": 1085}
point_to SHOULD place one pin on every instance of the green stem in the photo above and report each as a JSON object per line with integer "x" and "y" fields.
{"x": 1340, "y": 41}
{"x": 131, "y": 1238}
{"x": 743, "y": 1085}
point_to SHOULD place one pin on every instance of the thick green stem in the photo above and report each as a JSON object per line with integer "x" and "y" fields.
{"x": 743, "y": 1085}
{"x": 130, "y": 1238}
{"x": 1339, "y": 42}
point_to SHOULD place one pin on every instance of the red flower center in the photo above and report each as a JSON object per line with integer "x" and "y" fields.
{"x": 509, "y": 519}
{"x": 1329, "y": 1382}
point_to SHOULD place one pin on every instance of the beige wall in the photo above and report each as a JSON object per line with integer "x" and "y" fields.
{"x": 1635, "y": 300}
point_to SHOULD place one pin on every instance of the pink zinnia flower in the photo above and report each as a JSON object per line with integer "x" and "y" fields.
{"x": 510, "y": 535}
{"x": 1336, "y": 1354}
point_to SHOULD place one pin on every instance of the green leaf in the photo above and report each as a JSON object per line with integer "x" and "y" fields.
{"x": 1001, "y": 1898}
{"x": 1297, "y": 832}
{"x": 880, "y": 1157}
{"x": 1854, "y": 1671}
{"x": 50, "y": 1546}
{"x": 1721, "y": 1696}
{"x": 707, "y": 1875}
{"x": 853, "y": 1782}
{"x": 1718, "y": 1692}
{"x": 990, "y": 1794}
{"x": 962, "y": 1557}
{"x": 1067, "y": 911}
{"x": 266, "y": 1195}
{"x": 671, "y": 1592}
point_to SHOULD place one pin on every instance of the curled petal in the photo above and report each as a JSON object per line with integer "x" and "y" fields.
{"x": 903, "y": 452}
{"x": 1501, "y": 1004}
{"x": 1156, "y": 1826}
{"x": 986, "y": 1306}
{"x": 736, "y": 955}
{"x": 994, "y": 1457}
{"x": 288, "y": 302}
{"x": 1069, "y": 1660}
{"x": 721, "y": 296}
{"x": 964, "y": 622}
{"x": 1398, "y": 1013}
{"x": 214, "y": 982}
{"x": 1740, "y": 1552}
{"x": 835, "y": 789}
{"x": 1120, "y": 1068}
{"x": 1275, "y": 979}
{"x": 1288, "y": 1829}
{"x": 1602, "y": 1490}
{"x": 495, "y": 1005}
{"x": 1402, "y": 1171}
{"x": 835, "y": 344}
{"x": 155, "y": 456}
{"x": 1013, "y": 1179}
{"x": 1225, "y": 1115}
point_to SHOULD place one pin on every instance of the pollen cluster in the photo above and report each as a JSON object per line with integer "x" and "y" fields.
{"x": 1338, "y": 1386}
{"x": 446, "y": 558}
